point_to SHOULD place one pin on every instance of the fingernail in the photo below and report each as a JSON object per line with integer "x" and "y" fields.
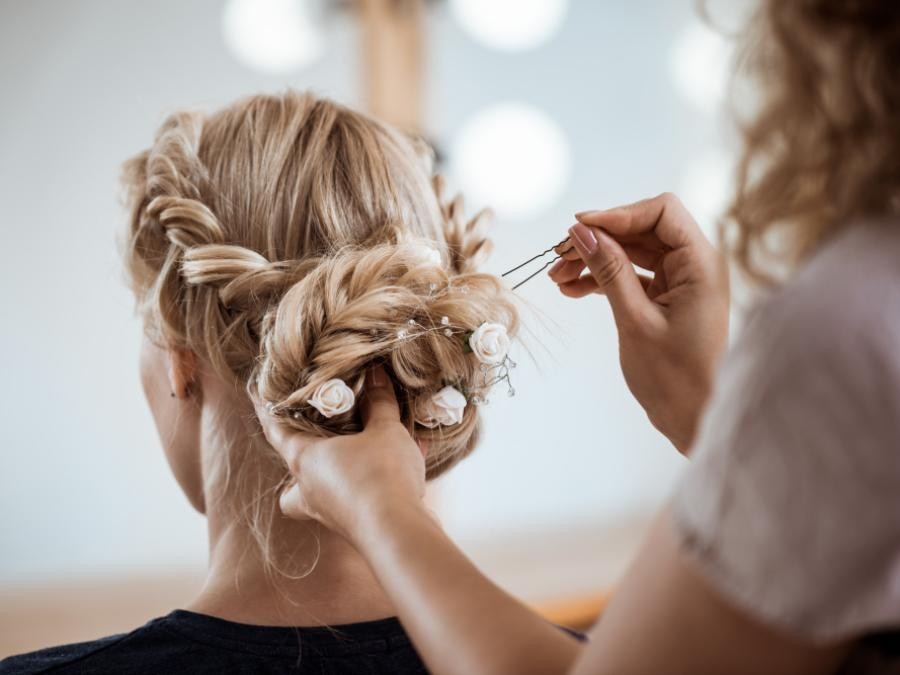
{"x": 587, "y": 214}
{"x": 556, "y": 267}
{"x": 584, "y": 238}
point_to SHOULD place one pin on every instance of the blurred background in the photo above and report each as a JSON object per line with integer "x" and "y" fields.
{"x": 539, "y": 108}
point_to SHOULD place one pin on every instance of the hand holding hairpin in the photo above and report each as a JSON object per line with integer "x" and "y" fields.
{"x": 553, "y": 249}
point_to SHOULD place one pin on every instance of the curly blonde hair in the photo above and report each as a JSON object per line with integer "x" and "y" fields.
{"x": 280, "y": 239}
{"x": 823, "y": 149}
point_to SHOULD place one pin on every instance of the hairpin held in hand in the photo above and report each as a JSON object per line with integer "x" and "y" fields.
{"x": 535, "y": 258}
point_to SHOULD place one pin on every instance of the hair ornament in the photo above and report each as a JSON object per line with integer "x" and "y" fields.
{"x": 444, "y": 408}
{"x": 480, "y": 400}
{"x": 332, "y": 398}
{"x": 492, "y": 374}
{"x": 428, "y": 254}
{"x": 490, "y": 343}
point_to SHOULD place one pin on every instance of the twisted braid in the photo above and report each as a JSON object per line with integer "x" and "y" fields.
{"x": 245, "y": 279}
{"x": 178, "y": 241}
{"x": 175, "y": 178}
{"x": 187, "y": 222}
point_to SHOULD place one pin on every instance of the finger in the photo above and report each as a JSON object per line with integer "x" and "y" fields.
{"x": 579, "y": 287}
{"x": 286, "y": 441}
{"x": 380, "y": 404}
{"x": 664, "y": 216}
{"x": 639, "y": 252}
{"x": 564, "y": 246}
{"x": 660, "y": 284}
{"x": 570, "y": 253}
{"x": 647, "y": 240}
{"x": 643, "y": 257}
{"x": 292, "y": 503}
{"x": 586, "y": 285}
{"x": 565, "y": 270}
{"x": 275, "y": 432}
{"x": 612, "y": 270}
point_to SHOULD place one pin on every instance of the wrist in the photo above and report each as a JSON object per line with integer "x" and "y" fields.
{"x": 682, "y": 430}
{"x": 682, "y": 440}
{"x": 383, "y": 517}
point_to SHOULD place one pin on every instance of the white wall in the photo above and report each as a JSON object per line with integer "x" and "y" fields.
{"x": 84, "y": 489}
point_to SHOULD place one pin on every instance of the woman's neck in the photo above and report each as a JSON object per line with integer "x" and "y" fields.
{"x": 319, "y": 578}
{"x": 314, "y": 577}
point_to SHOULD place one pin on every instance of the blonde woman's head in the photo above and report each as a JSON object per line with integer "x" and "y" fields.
{"x": 280, "y": 243}
{"x": 823, "y": 149}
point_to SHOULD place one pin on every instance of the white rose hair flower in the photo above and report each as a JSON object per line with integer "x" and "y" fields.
{"x": 428, "y": 254}
{"x": 445, "y": 408}
{"x": 332, "y": 398}
{"x": 490, "y": 343}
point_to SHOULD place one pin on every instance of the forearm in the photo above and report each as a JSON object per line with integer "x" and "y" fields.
{"x": 458, "y": 619}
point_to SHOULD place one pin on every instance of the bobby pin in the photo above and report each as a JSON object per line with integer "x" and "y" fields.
{"x": 537, "y": 257}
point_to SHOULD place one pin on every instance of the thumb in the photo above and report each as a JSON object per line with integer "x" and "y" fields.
{"x": 381, "y": 402}
{"x": 611, "y": 268}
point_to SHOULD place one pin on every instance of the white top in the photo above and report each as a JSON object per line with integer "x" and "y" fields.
{"x": 791, "y": 505}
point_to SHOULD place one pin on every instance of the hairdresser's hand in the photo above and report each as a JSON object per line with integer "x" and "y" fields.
{"x": 673, "y": 326}
{"x": 342, "y": 480}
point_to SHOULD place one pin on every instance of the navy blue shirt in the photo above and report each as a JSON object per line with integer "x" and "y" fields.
{"x": 186, "y": 642}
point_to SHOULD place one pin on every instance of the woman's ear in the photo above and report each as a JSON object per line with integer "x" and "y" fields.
{"x": 182, "y": 371}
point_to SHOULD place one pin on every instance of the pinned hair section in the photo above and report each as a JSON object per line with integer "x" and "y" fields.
{"x": 386, "y": 305}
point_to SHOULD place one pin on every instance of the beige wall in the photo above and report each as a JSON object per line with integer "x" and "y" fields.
{"x": 35, "y": 617}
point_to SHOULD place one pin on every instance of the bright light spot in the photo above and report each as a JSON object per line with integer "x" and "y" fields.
{"x": 513, "y": 158}
{"x": 510, "y": 25}
{"x": 707, "y": 188}
{"x": 701, "y": 66}
{"x": 273, "y": 36}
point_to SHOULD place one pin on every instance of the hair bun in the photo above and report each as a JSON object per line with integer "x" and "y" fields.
{"x": 396, "y": 305}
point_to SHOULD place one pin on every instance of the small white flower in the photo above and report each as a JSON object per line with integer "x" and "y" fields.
{"x": 332, "y": 398}
{"x": 490, "y": 343}
{"x": 445, "y": 408}
{"x": 428, "y": 254}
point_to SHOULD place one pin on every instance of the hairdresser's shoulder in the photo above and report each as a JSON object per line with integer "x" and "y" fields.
{"x": 847, "y": 293}
{"x": 126, "y": 653}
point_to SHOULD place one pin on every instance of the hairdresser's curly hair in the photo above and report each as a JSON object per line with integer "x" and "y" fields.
{"x": 823, "y": 149}
{"x": 280, "y": 240}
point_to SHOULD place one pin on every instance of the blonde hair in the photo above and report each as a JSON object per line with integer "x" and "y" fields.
{"x": 823, "y": 149}
{"x": 281, "y": 239}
